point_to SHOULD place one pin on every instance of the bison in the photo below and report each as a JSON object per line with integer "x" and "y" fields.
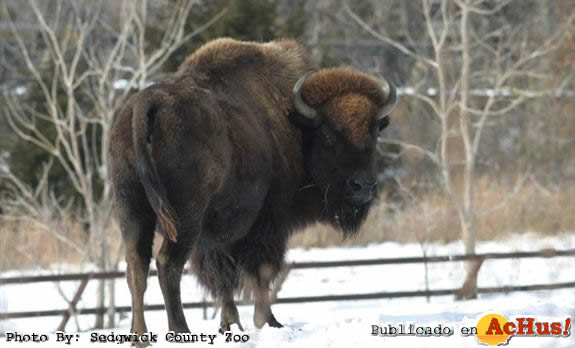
{"x": 245, "y": 144}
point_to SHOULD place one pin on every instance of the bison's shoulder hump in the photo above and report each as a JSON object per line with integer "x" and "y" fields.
{"x": 225, "y": 54}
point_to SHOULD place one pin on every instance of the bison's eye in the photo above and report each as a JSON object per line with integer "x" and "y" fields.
{"x": 328, "y": 137}
{"x": 383, "y": 123}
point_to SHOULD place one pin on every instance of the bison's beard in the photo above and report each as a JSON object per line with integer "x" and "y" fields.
{"x": 348, "y": 219}
{"x": 345, "y": 217}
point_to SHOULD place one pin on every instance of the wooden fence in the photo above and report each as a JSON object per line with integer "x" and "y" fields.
{"x": 84, "y": 278}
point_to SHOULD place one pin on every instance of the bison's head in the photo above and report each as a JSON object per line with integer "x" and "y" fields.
{"x": 342, "y": 113}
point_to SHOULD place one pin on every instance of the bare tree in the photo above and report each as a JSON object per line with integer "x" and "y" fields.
{"x": 472, "y": 75}
{"x": 93, "y": 66}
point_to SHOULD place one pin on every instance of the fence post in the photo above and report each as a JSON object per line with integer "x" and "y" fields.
{"x": 204, "y": 309}
{"x": 72, "y": 308}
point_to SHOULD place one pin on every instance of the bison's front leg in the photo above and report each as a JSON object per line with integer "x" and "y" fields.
{"x": 170, "y": 262}
{"x": 262, "y": 309}
{"x": 229, "y": 314}
{"x": 218, "y": 272}
{"x": 261, "y": 257}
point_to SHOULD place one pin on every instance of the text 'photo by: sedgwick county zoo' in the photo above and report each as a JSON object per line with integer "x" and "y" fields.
{"x": 287, "y": 173}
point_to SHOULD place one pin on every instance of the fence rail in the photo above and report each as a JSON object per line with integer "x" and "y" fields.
{"x": 85, "y": 277}
{"x": 301, "y": 299}
{"x": 545, "y": 253}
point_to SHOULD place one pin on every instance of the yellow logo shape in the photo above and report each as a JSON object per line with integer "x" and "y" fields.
{"x": 490, "y": 329}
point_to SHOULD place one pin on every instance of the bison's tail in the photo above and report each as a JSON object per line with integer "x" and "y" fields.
{"x": 143, "y": 118}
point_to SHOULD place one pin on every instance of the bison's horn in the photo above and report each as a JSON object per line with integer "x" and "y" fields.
{"x": 300, "y": 106}
{"x": 390, "y": 93}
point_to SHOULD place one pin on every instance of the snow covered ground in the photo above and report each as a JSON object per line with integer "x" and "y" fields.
{"x": 346, "y": 323}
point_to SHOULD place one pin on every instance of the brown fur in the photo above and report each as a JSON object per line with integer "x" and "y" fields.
{"x": 352, "y": 115}
{"x": 225, "y": 54}
{"x": 350, "y": 97}
{"x": 329, "y": 83}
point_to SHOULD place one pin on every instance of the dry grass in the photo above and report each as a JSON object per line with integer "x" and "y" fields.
{"x": 431, "y": 217}
{"x": 24, "y": 245}
{"x": 428, "y": 217}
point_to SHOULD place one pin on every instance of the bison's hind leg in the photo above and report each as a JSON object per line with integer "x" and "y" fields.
{"x": 137, "y": 223}
{"x": 218, "y": 272}
{"x": 170, "y": 263}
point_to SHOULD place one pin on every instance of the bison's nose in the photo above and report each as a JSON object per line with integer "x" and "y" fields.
{"x": 361, "y": 191}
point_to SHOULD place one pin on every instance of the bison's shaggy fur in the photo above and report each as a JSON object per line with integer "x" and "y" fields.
{"x": 219, "y": 158}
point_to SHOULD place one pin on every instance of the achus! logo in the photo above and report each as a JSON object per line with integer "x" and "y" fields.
{"x": 494, "y": 329}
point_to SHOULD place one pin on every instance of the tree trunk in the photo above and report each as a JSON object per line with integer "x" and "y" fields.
{"x": 111, "y": 303}
{"x": 99, "y": 324}
{"x": 101, "y": 294}
{"x": 469, "y": 287}
{"x": 467, "y": 215}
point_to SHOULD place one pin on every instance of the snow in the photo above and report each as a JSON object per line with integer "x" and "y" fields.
{"x": 122, "y": 84}
{"x": 346, "y": 323}
{"x": 20, "y": 90}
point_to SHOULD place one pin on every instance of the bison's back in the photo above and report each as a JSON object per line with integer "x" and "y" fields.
{"x": 180, "y": 128}
{"x": 213, "y": 156}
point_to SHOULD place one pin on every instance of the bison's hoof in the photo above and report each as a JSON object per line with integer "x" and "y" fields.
{"x": 260, "y": 321}
{"x": 180, "y": 328}
{"x": 224, "y": 328}
{"x": 272, "y": 322}
{"x": 227, "y": 327}
{"x": 140, "y": 344}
